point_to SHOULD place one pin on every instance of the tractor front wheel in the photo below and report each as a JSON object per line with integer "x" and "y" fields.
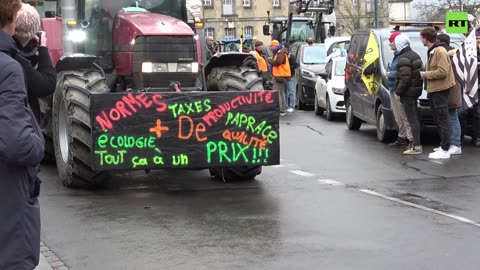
{"x": 72, "y": 127}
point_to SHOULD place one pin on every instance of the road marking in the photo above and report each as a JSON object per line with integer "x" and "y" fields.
{"x": 278, "y": 166}
{"x": 462, "y": 219}
{"x": 301, "y": 173}
{"x": 330, "y": 182}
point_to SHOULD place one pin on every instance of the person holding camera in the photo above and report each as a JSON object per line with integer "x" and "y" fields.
{"x": 33, "y": 56}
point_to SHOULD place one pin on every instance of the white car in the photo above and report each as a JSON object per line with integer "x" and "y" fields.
{"x": 329, "y": 89}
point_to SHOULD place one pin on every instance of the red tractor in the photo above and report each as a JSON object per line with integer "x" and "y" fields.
{"x": 121, "y": 49}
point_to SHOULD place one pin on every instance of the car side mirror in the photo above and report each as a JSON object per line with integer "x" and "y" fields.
{"x": 266, "y": 30}
{"x": 50, "y": 14}
{"x": 323, "y": 74}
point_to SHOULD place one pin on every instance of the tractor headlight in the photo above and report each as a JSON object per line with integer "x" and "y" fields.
{"x": 77, "y": 35}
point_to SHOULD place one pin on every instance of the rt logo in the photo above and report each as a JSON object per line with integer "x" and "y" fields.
{"x": 457, "y": 22}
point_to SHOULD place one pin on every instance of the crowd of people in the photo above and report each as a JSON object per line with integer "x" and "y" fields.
{"x": 278, "y": 69}
{"x": 407, "y": 78}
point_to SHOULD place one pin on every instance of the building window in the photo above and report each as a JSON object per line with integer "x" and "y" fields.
{"x": 355, "y": 2}
{"x": 210, "y": 32}
{"x": 229, "y": 33}
{"x": 207, "y": 3}
{"x": 248, "y": 32}
{"x": 276, "y": 3}
{"x": 369, "y": 7}
{"x": 247, "y": 3}
{"x": 228, "y": 7}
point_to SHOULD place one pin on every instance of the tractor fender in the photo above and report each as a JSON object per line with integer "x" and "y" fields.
{"x": 75, "y": 62}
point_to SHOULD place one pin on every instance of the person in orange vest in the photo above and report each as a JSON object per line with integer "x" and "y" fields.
{"x": 261, "y": 61}
{"x": 280, "y": 72}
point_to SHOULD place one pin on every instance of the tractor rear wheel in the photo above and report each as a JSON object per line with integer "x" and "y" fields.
{"x": 230, "y": 78}
{"x": 72, "y": 127}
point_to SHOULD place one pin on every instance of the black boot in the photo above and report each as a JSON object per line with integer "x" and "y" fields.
{"x": 400, "y": 142}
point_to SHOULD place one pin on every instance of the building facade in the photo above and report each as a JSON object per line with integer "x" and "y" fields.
{"x": 400, "y": 9}
{"x": 226, "y": 18}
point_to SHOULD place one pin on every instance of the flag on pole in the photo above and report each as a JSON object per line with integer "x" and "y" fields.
{"x": 465, "y": 68}
{"x": 371, "y": 56}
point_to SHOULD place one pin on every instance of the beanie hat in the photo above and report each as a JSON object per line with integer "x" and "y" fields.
{"x": 258, "y": 43}
{"x": 401, "y": 42}
{"x": 274, "y": 43}
{"x": 27, "y": 24}
{"x": 393, "y": 36}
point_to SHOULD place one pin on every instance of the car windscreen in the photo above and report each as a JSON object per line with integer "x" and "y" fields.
{"x": 340, "y": 67}
{"x": 416, "y": 45}
{"x": 314, "y": 55}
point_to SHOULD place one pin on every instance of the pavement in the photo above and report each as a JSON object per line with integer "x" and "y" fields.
{"x": 43, "y": 265}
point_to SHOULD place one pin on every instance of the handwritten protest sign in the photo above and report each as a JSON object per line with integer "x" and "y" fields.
{"x": 184, "y": 130}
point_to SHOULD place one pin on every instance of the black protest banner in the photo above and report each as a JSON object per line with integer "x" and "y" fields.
{"x": 184, "y": 130}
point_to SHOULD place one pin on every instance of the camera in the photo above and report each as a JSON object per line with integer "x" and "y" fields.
{"x": 39, "y": 35}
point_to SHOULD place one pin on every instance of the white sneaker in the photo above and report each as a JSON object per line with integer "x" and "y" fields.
{"x": 282, "y": 113}
{"x": 455, "y": 150}
{"x": 442, "y": 154}
{"x": 290, "y": 110}
{"x": 437, "y": 149}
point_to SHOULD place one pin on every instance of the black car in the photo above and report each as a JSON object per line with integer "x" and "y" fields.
{"x": 361, "y": 106}
{"x": 311, "y": 59}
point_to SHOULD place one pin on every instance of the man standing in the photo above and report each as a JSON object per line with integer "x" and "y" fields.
{"x": 280, "y": 71}
{"x": 261, "y": 61}
{"x": 454, "y": 103}
{"x": 409, "y": 86}
{"x": 404, "y": 130}
{"x": 210, "y": 47}
{"x": 438, "y": 78}
{"x": 290, "y": 82}
{"x": 21, "y": 150}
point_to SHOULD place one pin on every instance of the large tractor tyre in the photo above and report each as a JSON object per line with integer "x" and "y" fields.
{"x": 234, "y": 79}
{"x": 72, "y": 128}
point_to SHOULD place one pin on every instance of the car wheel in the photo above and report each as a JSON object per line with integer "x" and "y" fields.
{"x": 330, "y": 114}
{"x": 300, "y": 104}
{"x": 353, "y": 123}
{"x": 318, "y": 110}
{"x": 383, "y": 134}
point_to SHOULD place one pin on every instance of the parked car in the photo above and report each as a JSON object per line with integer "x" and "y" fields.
{"x": 361, "y": 106}
{"x": 337, "y": 43}
{"x": 311, "y": 60}
{"x": 330, "y": 87}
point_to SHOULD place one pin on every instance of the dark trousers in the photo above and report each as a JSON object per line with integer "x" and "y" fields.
{"x": 411, "y": 111}
{"x": 439, "y": 105}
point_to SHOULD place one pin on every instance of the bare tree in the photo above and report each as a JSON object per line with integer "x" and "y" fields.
{"x": 436, "y": 10}
{"x": 354, "y": 17}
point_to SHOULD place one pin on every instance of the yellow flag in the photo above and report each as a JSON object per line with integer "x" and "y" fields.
{"x": 371, "y": 56}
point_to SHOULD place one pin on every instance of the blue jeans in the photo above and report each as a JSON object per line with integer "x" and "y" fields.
{"x": 290, "y": 92}
{"x": 455, "y": 129}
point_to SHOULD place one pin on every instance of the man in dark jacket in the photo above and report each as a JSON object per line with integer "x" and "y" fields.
{"x": 409, "y": 88}
{"x": 21, "y": 150}
{"x": 33, "y": 52}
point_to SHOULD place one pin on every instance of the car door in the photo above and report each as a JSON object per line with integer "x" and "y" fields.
{"x": 322, "y": 91}
{"x": 369, "y": 99}
{"x": 354, "y": 72}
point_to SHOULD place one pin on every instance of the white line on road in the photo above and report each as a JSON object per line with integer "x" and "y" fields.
{"x": 301, "y": 173}
{"x": 330, "y": 182}
{"x": 278, "y": 166}
{"x": 462, "y": 219}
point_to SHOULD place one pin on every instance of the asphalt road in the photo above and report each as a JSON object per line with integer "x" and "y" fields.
{"x": 339, "y": 200}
